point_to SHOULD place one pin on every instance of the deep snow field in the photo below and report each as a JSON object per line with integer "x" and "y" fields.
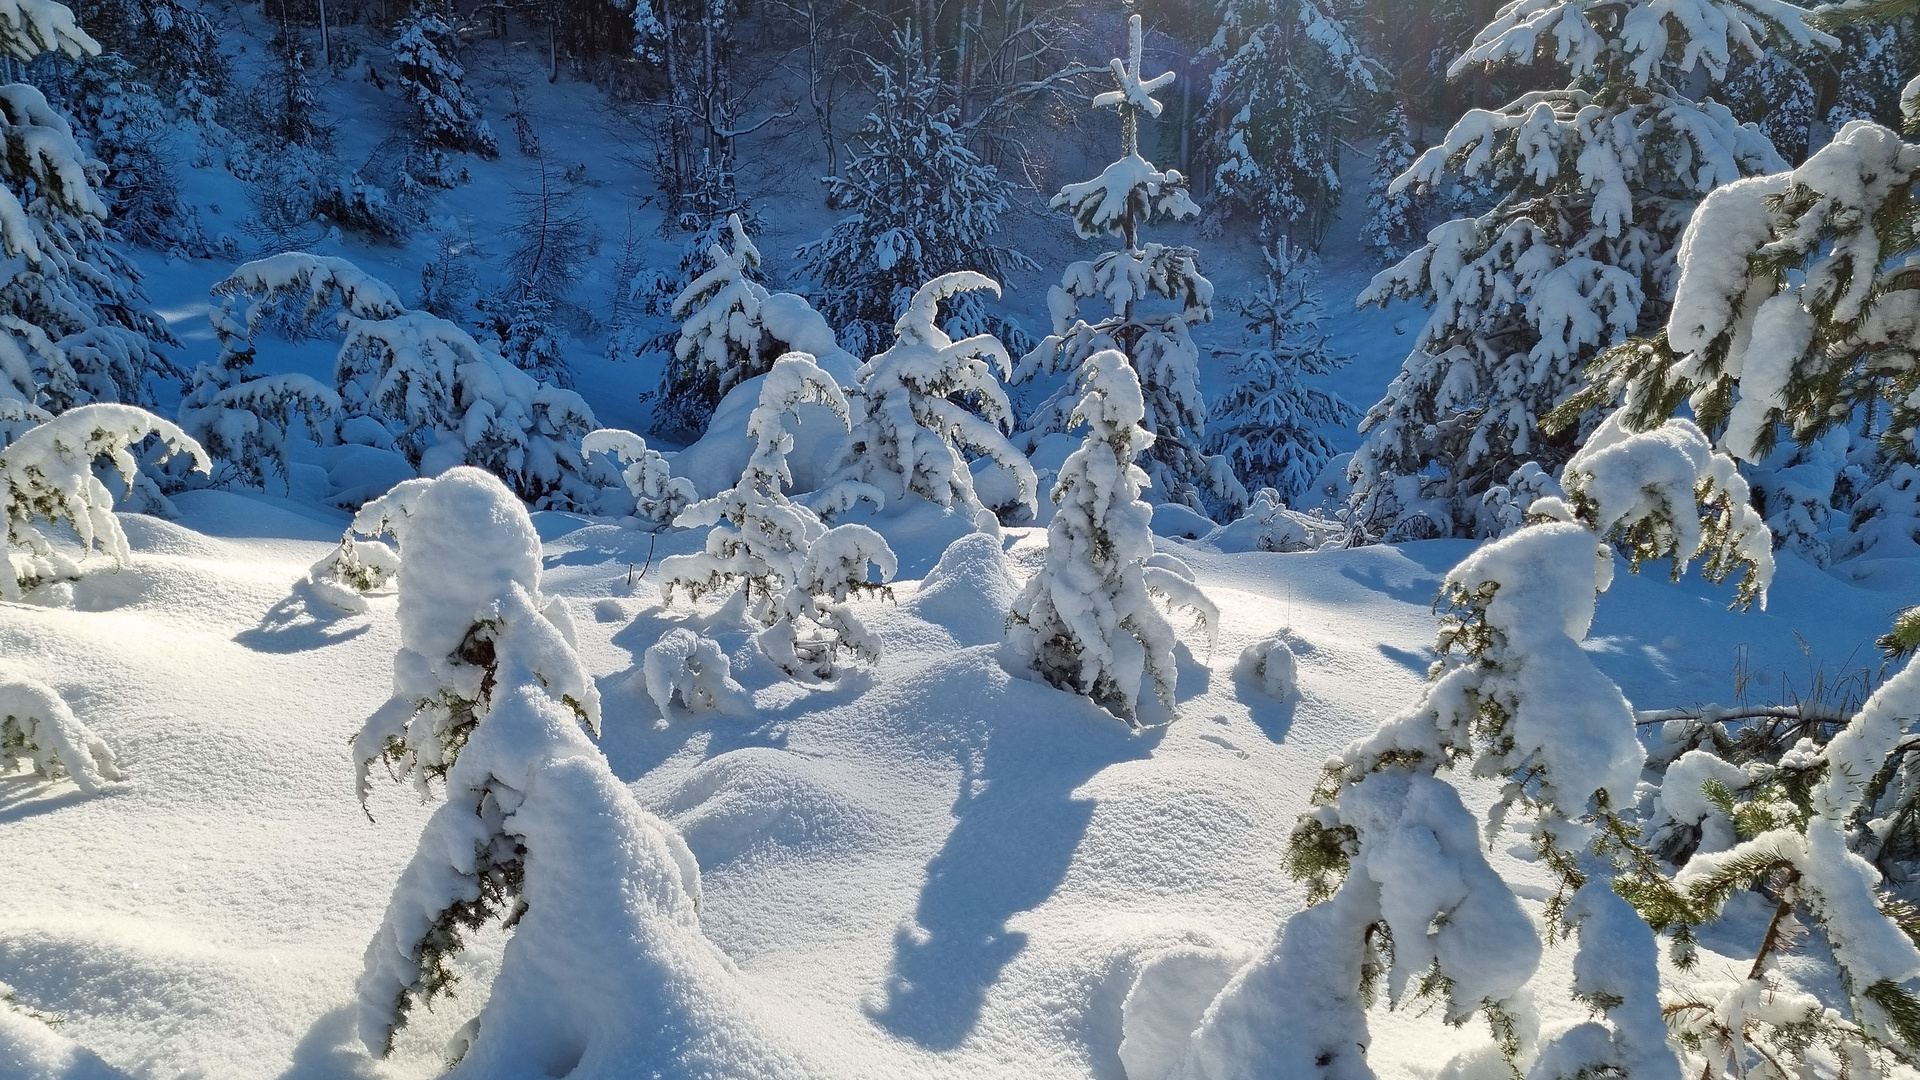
{"x": 927, "y": 869}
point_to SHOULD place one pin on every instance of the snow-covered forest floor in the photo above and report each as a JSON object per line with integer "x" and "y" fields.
{"x": 929, "y": 869}
{"x": 922, "y": 868}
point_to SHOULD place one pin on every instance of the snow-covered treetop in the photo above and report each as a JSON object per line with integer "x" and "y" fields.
{"x": 1580, "y": 33}
{"x": 319, "y": 283}
{"x": 31, "y": 27}
{"x": 1111, "y": 404}
{"x": 1133, "y": 95}
{"x": 795, "y": 380}
{"x": 729, "y": 268}
{"x": 1130, "y": 192}
{"x": 925, "y": 397}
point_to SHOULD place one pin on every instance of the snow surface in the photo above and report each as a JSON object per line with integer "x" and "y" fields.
{"x": 927, "y": 868}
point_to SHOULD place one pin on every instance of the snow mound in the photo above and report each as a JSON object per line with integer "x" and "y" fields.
{"x": 968, "y": 591}
{"x": 30, "y": 1049}
{"x": 758, "y": 799}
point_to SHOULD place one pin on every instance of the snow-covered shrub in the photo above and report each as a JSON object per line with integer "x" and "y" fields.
{"x": 732, "y": 330}
{"x": 1504, "y": 507}
{"x": 606, "y": 965}
{"x": 445, "y": 398}
{"x": 921, "y": 205}
{"x": 243, "y": 420}
{"x": 38, "y": 729}
{"x": 687, "y": 671}
{"x": 658, "y": 495}
{"x": 1122, "y": 286}
{"x": 923, "y": 401}
{"x": 435, "y": 84}
{"x": 793, "y": 573}
{"x": 1594, "y": 180}
{"x": 346, "y": 574}
{"x": 1269, "y": 526}
{"x": 1272, "y": 426}
{"x": 1291, "y": 74}
{"x": 1406, "y": 901}
{"x": 46, "y": 474}
{"x": 1271, "y": 665}
{"x": 1087, "y": 622}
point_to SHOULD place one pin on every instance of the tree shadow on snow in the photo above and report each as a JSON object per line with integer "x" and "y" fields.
{"x": 1420, "y": 591}
{"x": 25, "y": 795}
{"x": 331, "y": 1050}
{"x": 1018, "y": 828}
{"x": 1416, "y": 662}
{"x": 1272, "y": 716}
{"x": 301, "y": 622}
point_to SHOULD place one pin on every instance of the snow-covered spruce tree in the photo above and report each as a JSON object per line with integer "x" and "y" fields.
{"x": 606, "y": 965}
{"x": 658, "y": 495}
{"x": 1816, "y": 814}
{"x": 38, "y": 729}
{"x": 1405, "y": 901}
{"x": 793, "y": 573}
{"x": 1794, "y": 315}
{"x": 1088, "y": 622}
{"x": 46, "y": 475}
{"x": 922, "y": 204}
{"x": 435, "y": 84}
{"x": 1393, "y": 217}
{"x": 1121, "y": 286}
{"x": 241, "y": 419}
{"x": 927, "y": 401}
{"x": 733, "y": 330}
{"x": 1271, "y": 425}
{"x": 1285, "y": 90}
{"x": 77, "y": 327}
{"x": 446, "y": 399}
{"x": 1597, "y": 179}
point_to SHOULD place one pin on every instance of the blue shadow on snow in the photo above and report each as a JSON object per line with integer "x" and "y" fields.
{"x": 1018, "y": 827}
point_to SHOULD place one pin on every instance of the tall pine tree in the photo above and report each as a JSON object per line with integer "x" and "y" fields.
{"x": 1285, "y": 90}
{"x": 922, "y": 204}
{"x": 1598, "y": 176}
{"x": 1121, "y": 287}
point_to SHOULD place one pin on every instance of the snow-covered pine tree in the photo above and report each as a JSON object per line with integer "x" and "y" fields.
{"x": 1790, "y": 318}
{"x": 1120, "y": 286}
{"x": 77, "y": 327}
{"x": 524, "y": 333}
{"x": 733, "y": 330}
{"x": 1404, "y": 898}
{"x": 1285, "y": 90}
{"x": 446, "y": 399}
{"x": 1088, "y": 622}
{"x": 435, "y": 84}
{"x": 658, "y": 495}
{"x": 922, "y": 204}
{"x": 1597, "y": 179}
{"x": 46, "y": 475}
{"x": 38, "y": 729}
{"x": 607, "y": 962}
{"x": 1774, "y": 92}
{"x": 928, "y": 400}
{"x": 1393, "y": 217}
{"x": 1271, "y": 425}
{"x": 793, "y": 573}
{"x": 242, "y": 419}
